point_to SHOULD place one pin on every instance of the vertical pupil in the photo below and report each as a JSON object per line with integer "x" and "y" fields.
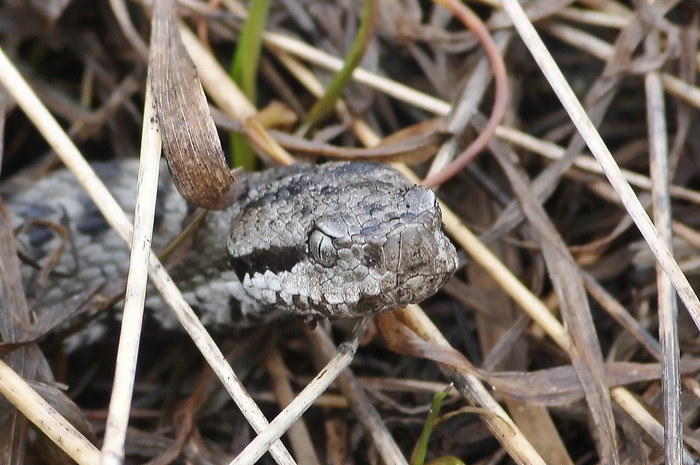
{"x": 322, "y": 249}
{"x": 319, "y": 250}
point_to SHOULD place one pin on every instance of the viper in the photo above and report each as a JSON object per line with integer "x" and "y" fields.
{"x": 318, "y": 241}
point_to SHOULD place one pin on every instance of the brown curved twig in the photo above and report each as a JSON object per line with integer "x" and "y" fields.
{"x": 477, "y": 27}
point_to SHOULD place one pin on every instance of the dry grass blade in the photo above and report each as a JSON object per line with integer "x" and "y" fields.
{"x": 498, "y": 71}
{"x": 556, "y": 386}
{"x": 668, "y": 310}
{"x": 127, "y": 354}
{"x": 354, "y": 392}
{"x": 122, "y": 16}
{"x": 603, "y": 50}
{"x": 298, "y": 433}
{"x": 25, "y": 359}
{"x": 414, "y": 144}
{"x": 304, "y": 399}
{"x": 602, "y": 154}
{"x": 585, "y": 162}
{"x": 225, "y": 93}
{"x": 388, "y": 86}
{"x": 42, "y": 414}
{"x": 585, "y": 350}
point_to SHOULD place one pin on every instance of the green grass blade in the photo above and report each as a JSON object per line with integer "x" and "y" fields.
{"x": 324, "y": 106}
{"x": 244, "y": 72}
{"x": 422, "y": 445}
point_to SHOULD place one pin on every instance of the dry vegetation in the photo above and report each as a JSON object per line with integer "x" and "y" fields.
{"x": 562, "y": 249}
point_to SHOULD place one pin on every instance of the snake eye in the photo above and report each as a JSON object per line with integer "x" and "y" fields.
{"x": 321, "y": 249}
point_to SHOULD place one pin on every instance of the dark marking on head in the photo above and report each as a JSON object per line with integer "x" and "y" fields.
{"x": 274, "y": 258}
{"x": 323, "y": 308}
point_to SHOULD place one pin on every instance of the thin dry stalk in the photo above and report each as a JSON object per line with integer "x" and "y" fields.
{"x": 298, "y": 433}
{"x": 42, "y": 414}
{"x": 129, "y": 339}
{"x": 668, "y": 310}
{"x": 351, "y": 388}
{"x": 602, "y": 50}
{"x": 261, "y": 444}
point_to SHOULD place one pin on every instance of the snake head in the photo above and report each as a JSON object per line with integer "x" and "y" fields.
{"x": 340, "y": 240}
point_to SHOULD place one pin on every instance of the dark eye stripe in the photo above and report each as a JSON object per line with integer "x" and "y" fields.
{"x": 275, "y": 259}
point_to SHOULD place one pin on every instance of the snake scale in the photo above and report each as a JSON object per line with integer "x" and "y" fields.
{"x": 317, "y": 241}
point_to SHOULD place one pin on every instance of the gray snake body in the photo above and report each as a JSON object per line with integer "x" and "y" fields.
{"x": 318, "y": 241}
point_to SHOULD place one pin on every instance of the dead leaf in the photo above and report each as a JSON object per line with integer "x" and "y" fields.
{"x": 190, "y": 142}
{"x": 549, "y": 387}
{"x": 414, "y": 144}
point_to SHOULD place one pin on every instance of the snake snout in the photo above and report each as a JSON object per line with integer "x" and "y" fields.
{"x": 421, "y": 255}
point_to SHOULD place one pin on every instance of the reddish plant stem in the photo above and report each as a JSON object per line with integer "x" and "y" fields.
{"x": 478, "y": 28}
